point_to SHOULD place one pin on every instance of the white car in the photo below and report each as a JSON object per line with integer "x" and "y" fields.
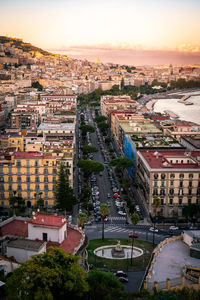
{"x": 121, "y": 213}
{"x": 173, "y": 228}
{"x": 152, "y": 229}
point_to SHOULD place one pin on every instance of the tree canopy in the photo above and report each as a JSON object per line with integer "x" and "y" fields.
{"x": 48, "y": 276}
{"x": 64, "y": 193}
{"x": 87, "y": 128}
{"x": 104, "y": 286}
{"x": 86, "y": 149}
{"x": 89, "y": 167}
{"x": 100, "y": 119}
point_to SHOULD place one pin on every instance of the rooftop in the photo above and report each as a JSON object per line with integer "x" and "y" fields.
{"x": 14, "y": 227}
{"x": 26, "y": 244}
{"x": 193, "y": 140}
{"x": 61, "y": 126}
{"x": 134, "y": 127}
{"x": 171, "y": 159}
{"x": 47, "y": 220}
{"x": 155, "y": 141}
{"x": 30, "y": 154}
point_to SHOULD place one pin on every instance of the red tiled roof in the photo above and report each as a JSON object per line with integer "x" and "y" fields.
{"x": 70, "y": 243}
{"x": 30, "y": 154}
{"x": 161, "y": 159}
{"x": 57, "y": 95}
{"x": 15, "y": 227}
{"x": 47, "y": 220}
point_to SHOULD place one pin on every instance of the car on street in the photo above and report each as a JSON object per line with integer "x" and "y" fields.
{"x": 108, "y": 195}
{"x": 120, "y": 274}
{"x": 152, "y": 229}
{"x": 133, "y": 235}
{"x": 173, "y": 227}
{"x": 122, "y": 213}
{"x": 123, "y": 279}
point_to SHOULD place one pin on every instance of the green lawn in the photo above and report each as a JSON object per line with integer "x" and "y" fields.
{"x": 139, "y": 263}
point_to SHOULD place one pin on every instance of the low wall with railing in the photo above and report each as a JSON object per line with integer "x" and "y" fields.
{"x": 147, "y": 284}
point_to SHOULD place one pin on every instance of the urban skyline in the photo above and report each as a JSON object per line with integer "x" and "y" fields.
{"x": 125, "y": 32}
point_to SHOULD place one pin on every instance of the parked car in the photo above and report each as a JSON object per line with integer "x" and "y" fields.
{"x": 123, "y": 279}
{"x": 173, "y": 227}
{"x": 122, "y": 213}
{"x": 133, "y": 235}
{"x": 152, "y": 229}
{"x": 120, "y": 274}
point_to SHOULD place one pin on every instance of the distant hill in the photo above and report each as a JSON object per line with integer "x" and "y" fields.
{"x": 26, "y": 47}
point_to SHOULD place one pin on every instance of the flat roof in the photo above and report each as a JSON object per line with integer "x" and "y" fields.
{"x": 139, "y": 128}
{"x": 61, "y": 126}
{"x": 36, "y": 155}
{"x": 26, "y": 244}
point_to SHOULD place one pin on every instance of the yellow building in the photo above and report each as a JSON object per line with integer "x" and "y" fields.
{"x": 16, "y": 142}
{"x": 32, "y": 175}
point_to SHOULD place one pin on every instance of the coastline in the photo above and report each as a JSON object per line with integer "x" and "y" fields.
{"x": 150, "y": 104}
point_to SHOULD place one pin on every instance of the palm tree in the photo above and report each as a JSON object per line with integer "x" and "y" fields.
{"x": 134, "y": 219}
{"x": 82, "y": 218}
{"x": 156, "y": 204}
{"x": 104, "y": 211}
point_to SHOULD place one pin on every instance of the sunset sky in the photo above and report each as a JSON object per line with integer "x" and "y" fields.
{"x": 122, "y": 31}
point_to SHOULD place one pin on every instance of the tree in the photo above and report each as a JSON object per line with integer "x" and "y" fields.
{"x": 121, "y": 164}
{"x": 48, "y": 276}
{"x": 104, "y": 211}
{"x": 40, "y": 203}
{"x": 100, "y": 119}
{"x": 156, "y": 204}
{"x": 64, "y": 193}
{"x": 86, "y": 128}
{"x": 37, "y": 85}
{"x": 82, "y": 218}
{"x": 102, "y": 126}
{"x": 88, "y": 167}
{"x": 134, "y": 219}
{"x": 86, "y": 149}
{"x": 104, "y": 285}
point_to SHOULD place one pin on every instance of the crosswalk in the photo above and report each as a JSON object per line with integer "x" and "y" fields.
{"x": 117, "y": 218}
{"x": 116, "y": 229}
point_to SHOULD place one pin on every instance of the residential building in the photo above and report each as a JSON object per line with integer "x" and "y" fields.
{"x": 171, "y": 175}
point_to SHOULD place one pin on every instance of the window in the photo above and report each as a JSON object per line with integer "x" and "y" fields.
{"x": 1, "y": 171}
{"x": 171, "y": 183}
{"x": 155, "y": 192}
{"x": 19, "y": 187}
{"x": 155, "y": 184}
{"x": 10, "y": 171}
{"x": 181, "y": 184}
{"x": 2, "y": 196}
{"x": 46, "y": 187}
{"x": 28, "y": 187}
{"x": 162, "y": 184}
{"x": 10, "y": 187}
{"x": 180, "y": 193}
{"x": 28, "y": 195}
{"x": 190, "y": 192}
{"x": 189, "y": 200}
{"x": 44, "y": 236}
{"x": 162, "y": 201}
{"x": 171, "y": 201}
{"x": 190, "y": 183}
{"x": 19, "y": 171}
{"x": 36, "y": 171}
{"x": 162, "y": 192}
{"x": 18, "y": 163}
{"x": 36, "y": 163}
{"x": 171, "y": 191}
{"x": 28, "y": 179}
{"x": 37, "y": 179}
{"x": 28, "y": 163}
{"x": 2, "y": 203}
{"x": 45, "y": 179}
{"x": 45, "y": 171}
{"x": 181, "y": 176}
{"x": 19, "y": 194}
{"x": 46, "y": 195}
{"x": 162, "y": 176}
{"x": 155, "y": 176}
{"x": 190, "y": 175}
{"x": 1, "y": 187}
{"x": 19, "y": 179}
{"x": 180, "y": 201}
{"x": 10, "y": 179}
{"x": 1, "y": 179}
{"x": 54, "y": 178}
{"x": 37, "y": 187}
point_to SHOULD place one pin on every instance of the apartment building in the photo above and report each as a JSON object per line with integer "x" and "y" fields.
{"x": 178, "y": 129}
{"x": 171, "y": 175}
{"x": 31, "y": 175}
